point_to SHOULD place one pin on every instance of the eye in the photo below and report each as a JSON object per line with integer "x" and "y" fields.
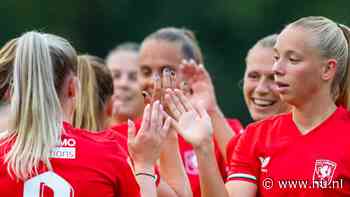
{"x": 276, "y": 58}
{"x": 294, "y": 60}
{"x": 132, "y": 76}
{"x": 253, "y": 75}
{"x": 116, "y": 75}
{"x": 146, "y": 71}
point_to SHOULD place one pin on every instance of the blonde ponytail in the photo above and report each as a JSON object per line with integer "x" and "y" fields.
{"x": 96, "y": 88}
{"x": 35, "y": 106}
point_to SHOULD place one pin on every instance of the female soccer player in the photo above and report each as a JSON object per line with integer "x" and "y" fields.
{"x": 127, "y": 98}
{"x": 163, "y": 52}
{"x": 42, "y": 155}
{"x": 259, "y": 88}
{"x": 293, "y": 154}
{"x": 93, "y": 111}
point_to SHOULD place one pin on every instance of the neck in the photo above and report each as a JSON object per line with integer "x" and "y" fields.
{"x": 120, "y": 119}
{"x": 313, "y": 112}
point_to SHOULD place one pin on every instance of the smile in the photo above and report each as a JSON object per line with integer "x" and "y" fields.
{"x": 263, "y": 102}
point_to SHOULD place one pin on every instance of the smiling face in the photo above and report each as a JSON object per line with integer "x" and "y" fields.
{"x": 259, "y": 87}
{"x": 298, "y": 66}
{"x": 127, "y": 92}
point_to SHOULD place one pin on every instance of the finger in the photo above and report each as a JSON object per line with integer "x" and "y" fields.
{"x": 146, "y": 118}
{"x": 177, "y": 102}
{"x": 160, "y": 117}
{"x": 185, "y": 88}
{"x": 172, "y": 79}
{"x": 166, "y": 127}
{"x": 192, "y": 62}
{"x": 166, "y": 79}
{"x": 157, "y": 90}
{"x": 203, "y": 72}
{"x": 131, "y": 130}
{"x": 201, "y": 110}
{"x": 154, "y": 117}
{"x": 171, "y": 107}
{"x": 185, "y": 101}
{"x": 147, "y": 99}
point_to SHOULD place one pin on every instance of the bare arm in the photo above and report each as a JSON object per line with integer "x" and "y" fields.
{"x": 196, "y": 128}
{"x": 203, "y": 92}
{"x": 172, "y": 169}
{"x": 222, "y": 130}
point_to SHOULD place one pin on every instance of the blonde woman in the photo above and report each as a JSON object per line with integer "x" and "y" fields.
{"x": 301, "y": 153}
{"x": 43, "y": 155}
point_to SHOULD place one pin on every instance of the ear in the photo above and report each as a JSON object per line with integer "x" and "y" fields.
{"x": 7, "y": 95}
{"x": 329, "y": 69}
{"x": 108, "y": 108}
{"x": 72, "y": 87}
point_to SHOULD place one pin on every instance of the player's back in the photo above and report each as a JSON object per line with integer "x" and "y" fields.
{"x": 84, "y": 165}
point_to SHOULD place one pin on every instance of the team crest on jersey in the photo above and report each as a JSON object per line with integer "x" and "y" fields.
{"x": 191, "y": 163}
{"x": 264, "y": 161}
{"x": 324, "y": 171}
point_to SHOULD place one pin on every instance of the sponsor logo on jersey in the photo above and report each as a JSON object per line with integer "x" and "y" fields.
{"x": 324, "y": 171}
{"x": 264, "y": 161}
{"x": 191, "y": 164}
{"x": 66, "y": 150}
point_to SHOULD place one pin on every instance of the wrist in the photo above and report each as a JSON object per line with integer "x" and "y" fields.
{"x": 205, "y": 147}
{"x": 143, "y": 168}
{"x": 153, "y": 176}
{"x": 214, "y": 111}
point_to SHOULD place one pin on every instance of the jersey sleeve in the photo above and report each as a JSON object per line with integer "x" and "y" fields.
{"x": 231, "y": 146}
{"x": 244, "y": 164}
{"x": 237, "y": 128}
{"x": 127, "y": 184}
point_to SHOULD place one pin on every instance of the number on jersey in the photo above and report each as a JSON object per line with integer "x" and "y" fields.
{"x": 48, "y": 181}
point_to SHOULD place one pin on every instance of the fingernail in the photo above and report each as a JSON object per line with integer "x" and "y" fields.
{"x": 156, "y": 77}
{"x": 166, "y": 70}
{"x": 192, "y": 61}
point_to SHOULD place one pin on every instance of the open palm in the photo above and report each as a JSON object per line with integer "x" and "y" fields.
{"x": 193, "y": 123}
{"x": 200, "y": 83}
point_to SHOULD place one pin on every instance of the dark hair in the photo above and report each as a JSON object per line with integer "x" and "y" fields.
{"x": 189, "y": 45}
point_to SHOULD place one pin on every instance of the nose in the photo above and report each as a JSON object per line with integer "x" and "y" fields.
{"x": 122, "y": 82}
{"x": 262, "y": 86}
{"x": 278, "y": 68}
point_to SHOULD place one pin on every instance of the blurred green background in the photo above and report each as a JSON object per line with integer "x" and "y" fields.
{"x": 225, "y": 29}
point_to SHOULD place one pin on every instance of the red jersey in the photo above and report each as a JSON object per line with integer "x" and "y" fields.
{"x": 83, "y": 165}
{"x": 283, "y": 162}
{"x": 188, "y": 156}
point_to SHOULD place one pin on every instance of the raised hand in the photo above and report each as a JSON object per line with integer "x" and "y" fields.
{"x": 199, "y": 84}
{"x": 192, "y": 123}
{"x": 145, "y": 146}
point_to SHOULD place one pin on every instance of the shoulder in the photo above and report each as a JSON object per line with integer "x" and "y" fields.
{"x": 235, "y": 124}
{"x": 106, "y": 141}
{"x": 271, "y": 122}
